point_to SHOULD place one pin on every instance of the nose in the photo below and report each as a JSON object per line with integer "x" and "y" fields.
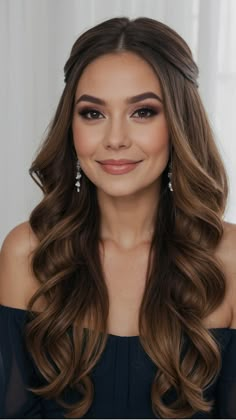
{"x": 116, "y": 135}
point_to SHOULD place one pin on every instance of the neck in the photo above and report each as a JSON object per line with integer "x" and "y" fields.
{"x": 128, "y": 221}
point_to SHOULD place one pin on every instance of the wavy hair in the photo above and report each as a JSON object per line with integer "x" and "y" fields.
{"x": 184, "y": 281}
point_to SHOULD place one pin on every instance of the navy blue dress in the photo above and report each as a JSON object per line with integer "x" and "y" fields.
{"x": 122, "y": 378}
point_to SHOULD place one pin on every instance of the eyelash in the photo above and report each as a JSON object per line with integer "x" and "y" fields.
{"x": 89, "y": 110}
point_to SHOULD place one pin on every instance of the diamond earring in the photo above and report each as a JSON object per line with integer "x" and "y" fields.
{"x": 78, "y": 176}
{"x": 170, "y": 176}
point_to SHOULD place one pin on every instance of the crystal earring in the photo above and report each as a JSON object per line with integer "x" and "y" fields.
{"x": 78, "y": 176}
{"x": 170, "y": 176}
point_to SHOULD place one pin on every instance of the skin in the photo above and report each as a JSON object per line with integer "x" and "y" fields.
{"x": 116, "y": 130}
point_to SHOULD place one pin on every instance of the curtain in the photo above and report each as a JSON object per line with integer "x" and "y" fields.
{"x": 35, "y": 41}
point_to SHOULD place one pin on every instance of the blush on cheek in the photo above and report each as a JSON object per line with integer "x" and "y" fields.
{"x": 159, "y": 145}
{"x": 81, "y": 148}
{"x": 86, "y": 144}
{"x": 81, "y": 143}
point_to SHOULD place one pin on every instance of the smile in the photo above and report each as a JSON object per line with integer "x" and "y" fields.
{"x": 119, "y": 169}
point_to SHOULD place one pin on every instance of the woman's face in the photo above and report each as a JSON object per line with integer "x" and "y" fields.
{"x": 120, "y": 128}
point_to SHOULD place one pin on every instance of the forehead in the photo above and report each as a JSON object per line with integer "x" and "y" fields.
{"x": 115, "y": 73}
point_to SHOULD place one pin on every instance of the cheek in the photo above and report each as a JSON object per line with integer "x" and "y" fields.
{"x": 158, "y": 140}
{"x": 83, "y": 142}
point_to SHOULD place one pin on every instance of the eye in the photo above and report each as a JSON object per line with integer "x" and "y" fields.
{"x": 87, "y": 111}
{"x": 143, "y": 111}
{"x": 94, "y": 113}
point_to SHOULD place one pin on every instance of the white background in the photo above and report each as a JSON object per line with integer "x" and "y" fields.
{"x": 36, "y": 37}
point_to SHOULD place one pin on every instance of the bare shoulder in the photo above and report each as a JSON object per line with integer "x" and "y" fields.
{"x": 17, "y": 282}
{"x": 227, "y": 254}
{"x": 20, "y": 240}
{"x": 227, "y": 247}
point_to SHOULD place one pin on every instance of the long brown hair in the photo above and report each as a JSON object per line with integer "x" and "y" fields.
{"x": 184, "y": 281}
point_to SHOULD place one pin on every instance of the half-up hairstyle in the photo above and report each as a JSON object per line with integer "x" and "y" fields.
{"x": 184, "y": 283}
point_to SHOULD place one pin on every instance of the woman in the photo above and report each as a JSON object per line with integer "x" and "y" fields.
{"x": 118, "y": 294}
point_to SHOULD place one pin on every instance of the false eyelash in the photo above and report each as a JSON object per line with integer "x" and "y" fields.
{"x": 85, "y": 111}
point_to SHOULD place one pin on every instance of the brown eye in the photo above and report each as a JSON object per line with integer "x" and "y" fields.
{"x": 144, "y": 111}
{"x": 92, "y": 112}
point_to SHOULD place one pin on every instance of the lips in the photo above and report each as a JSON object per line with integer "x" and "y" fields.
{"x": 120, "y": 169}
{"x": 117, "y": 162}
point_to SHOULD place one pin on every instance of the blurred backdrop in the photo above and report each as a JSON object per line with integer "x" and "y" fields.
{"x": 35, "y": 41}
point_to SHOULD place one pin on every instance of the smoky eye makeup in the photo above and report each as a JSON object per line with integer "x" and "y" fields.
{"x": 83, "y": 112}
{"x": 143, "y": 112}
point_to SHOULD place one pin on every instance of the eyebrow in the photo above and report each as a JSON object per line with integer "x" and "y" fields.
{"x": 131, "y": 100}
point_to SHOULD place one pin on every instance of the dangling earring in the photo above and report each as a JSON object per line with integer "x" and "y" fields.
{"x": 78, "y": 175}
{"x": 170, "y": 176}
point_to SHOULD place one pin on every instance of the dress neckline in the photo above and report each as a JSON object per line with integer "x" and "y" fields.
{"x": 113, "y": 336}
